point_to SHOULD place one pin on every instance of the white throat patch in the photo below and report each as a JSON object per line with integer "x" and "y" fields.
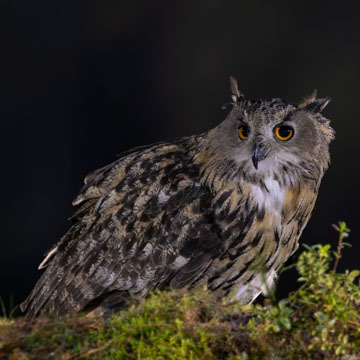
{"x": 272, "y": 200}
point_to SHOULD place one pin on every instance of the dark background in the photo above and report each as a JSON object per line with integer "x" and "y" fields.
{"x": 81, "y": 82}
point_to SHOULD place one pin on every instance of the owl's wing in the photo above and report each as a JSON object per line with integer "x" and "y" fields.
{"x": 142, "y": 221}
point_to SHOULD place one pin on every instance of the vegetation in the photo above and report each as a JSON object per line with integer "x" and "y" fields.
{"x": 321, "y": 320}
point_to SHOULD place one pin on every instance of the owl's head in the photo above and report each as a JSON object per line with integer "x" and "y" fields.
{"x": 270, "y": 137}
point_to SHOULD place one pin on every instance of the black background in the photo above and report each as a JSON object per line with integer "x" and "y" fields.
{"x": 81, "y": 82}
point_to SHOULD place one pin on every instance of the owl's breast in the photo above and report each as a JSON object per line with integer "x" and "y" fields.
{"x": 286, "y": 212}
{"x": 269, "y": 197}
{"x": 269, "y": 222}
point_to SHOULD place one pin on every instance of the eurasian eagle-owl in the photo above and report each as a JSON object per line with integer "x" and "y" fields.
{"x": 201, "y": 210}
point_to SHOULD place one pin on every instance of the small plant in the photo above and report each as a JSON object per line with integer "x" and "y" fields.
{"x": 324, "y": 312}
{"x": 343, "y": 231}
{"x": 321, "y": 320}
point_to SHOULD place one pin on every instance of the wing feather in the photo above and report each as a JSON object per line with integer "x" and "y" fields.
{"x": 141, "y": 223}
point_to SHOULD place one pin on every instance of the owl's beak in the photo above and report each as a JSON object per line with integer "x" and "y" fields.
{"x": 258, "y": 154}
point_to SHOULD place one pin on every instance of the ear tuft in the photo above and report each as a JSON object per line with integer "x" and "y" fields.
{"x": 308, "y": 99}
{"x": 318, "y": 105}
{"x": 236, "y": 94}
{"x": 313, "y": 104}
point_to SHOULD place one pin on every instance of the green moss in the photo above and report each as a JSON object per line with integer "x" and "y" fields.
{"x": 321, "y": 320}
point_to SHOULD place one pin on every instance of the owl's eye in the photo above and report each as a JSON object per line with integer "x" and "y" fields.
{"x": 284, "y": 132}
{"x": 243, "y": 132}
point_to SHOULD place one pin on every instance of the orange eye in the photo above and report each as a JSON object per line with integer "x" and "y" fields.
{"x": 284, "y": 132}
{"x": 243, "y": 132}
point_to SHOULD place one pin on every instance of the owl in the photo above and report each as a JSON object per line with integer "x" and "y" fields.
{"x": 223, "y": 210}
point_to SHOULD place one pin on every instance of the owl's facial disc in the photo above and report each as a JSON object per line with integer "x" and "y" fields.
{"x": 271, "y": 138}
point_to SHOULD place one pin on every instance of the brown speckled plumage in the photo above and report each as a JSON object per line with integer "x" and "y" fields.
{"x": 207, "y": 209}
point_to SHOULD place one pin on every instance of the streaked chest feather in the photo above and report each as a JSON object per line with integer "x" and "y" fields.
{"x": 270, "y": 239}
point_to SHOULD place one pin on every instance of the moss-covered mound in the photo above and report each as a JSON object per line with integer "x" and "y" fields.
{"x": 319, "y": 321}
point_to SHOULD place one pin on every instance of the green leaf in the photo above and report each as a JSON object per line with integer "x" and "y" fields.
{"x": 353, "y": 275}
{"x": 286, "y": 323}
{"x": 276, "y": 328}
